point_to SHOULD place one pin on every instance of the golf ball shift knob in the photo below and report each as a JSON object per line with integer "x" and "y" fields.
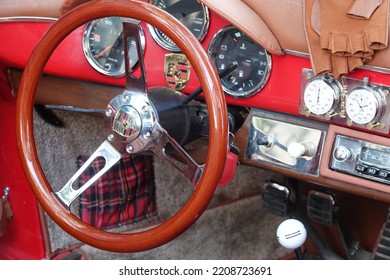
{"x": 291, "y": 234}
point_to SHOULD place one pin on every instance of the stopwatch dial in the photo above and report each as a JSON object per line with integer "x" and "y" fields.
{"x": 362, "y": 106}
{"x": 320, "y": 97}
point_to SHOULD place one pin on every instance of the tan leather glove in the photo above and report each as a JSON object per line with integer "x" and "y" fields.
{"x": 320, "y": 60}
{"x": 363, "y": 9}
{"x": 344, "y": 35}
{"x": 323, "y": 61}
{"x": 344, "y": 64}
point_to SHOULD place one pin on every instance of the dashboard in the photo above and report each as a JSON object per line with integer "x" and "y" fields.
{"x": 244, "y": 65}
{"x": 328, "y": 131}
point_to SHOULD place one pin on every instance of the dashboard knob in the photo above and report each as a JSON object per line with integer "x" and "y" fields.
{"x": 297, "y": 150}
{"x": 265, "y": 141}
{"x": 342, "y": 153}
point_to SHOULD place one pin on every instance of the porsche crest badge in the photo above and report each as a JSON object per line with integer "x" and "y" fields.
{"x": 177, "y": 71}
{"x": 127, "y": 122}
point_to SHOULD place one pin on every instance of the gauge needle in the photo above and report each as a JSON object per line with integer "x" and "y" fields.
{"x": 103, "y": 51}
{"x": 361, "y": 107}
{"x": 318, "y": 96}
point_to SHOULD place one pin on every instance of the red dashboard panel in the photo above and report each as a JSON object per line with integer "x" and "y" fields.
{"x": 69, "y": 61}
{"x": 281, "y": 93}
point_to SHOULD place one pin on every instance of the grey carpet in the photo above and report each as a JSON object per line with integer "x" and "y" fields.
{"x": 236, "y": 231}
{"x": 235, "y": 226}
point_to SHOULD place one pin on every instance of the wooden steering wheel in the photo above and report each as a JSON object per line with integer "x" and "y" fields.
{"x": 132, "y": 102}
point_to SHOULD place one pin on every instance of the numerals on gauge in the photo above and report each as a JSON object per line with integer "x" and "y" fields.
{"x": 229, "y": 46}
{"x": 364, "y": 105}
{"x": 104, "y": 46}
{"x": 322, "y": 95}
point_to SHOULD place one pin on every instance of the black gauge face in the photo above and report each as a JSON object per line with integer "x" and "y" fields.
{"x": 104, "y": 47}
{"x": 231, "y": 46}
{"x": 190, "y": 13}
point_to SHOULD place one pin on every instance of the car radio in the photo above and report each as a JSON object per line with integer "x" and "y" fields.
{"x": 361, "y": 158}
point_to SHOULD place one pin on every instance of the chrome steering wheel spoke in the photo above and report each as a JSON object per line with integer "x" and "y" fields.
{"x": 111, "y": 156}
{"x": 132, "y": 33}
{"x": 177, "y": 157}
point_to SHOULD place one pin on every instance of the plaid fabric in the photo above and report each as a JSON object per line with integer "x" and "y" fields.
{"x": 124, "y": 194}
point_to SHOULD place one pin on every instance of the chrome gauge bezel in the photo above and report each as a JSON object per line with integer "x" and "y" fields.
{"x": 90, "y": 57}
{"x": 333, "y": 86}
{"x": 255, "y": 89}
{"x": 165, "y": 42}
{"x": 379, "y": 104}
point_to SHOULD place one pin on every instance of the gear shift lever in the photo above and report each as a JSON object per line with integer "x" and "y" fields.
{"x": 292, "y": 234}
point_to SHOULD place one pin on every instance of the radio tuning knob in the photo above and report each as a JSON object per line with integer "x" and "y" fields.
{"x": 297, "y": 150}
{"x": 342, "y": 153}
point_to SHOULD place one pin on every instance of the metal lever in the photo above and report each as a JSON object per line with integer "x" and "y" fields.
{"x": 5, "y": 196}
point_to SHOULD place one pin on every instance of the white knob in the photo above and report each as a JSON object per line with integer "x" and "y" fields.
{"x": 297, "y": 150}
{"x": 291, "y": 234}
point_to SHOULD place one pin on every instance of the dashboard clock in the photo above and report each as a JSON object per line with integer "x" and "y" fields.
{"x": 322, "y": 95}
{"x": 365, "y": 105}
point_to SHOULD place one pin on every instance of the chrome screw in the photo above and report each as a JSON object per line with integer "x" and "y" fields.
{"x": 125, "y": 98}
{"x": 110, "y": 137}
{"x": 109, "y": 112}
{"x": 146, "y": 135}
{"x": 129, "y": 149}
{"x": 145, "y": 110}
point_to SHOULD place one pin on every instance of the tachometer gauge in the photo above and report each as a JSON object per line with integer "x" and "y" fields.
{"x": 104, "y": 47}
{"x": 322, "y": 95}
{"x": 365, "y": 105}
{"x": 231, "y": 46}
{"x": 191, "y": 13}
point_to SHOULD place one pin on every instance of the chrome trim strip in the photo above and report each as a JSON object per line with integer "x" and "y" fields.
{"x": 375, "y": 69}
{"x": 296, "y": 53}
{"x": 75, "y": 109}
{"x": 27, "y": 19}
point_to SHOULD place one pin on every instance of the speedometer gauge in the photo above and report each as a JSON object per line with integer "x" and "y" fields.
{"x": 231, "y": 46}
{"x": 191, "y": 13}
{"x": 104, "y": 47}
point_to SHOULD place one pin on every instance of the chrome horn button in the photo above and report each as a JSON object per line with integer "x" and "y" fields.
{"x": 131, "y": 122}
